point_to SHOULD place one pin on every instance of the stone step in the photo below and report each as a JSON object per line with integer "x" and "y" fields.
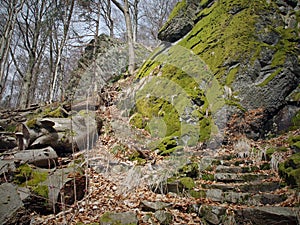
{"x": 254, "y": 215}
{"x": 244, "y": 198}
{"x": 236, "y": 169}
{"x": 236, "y": 162}
{"x": 251, "y": 187}
{"x": 268, "y": 215}
{"x": 239, "y": 177}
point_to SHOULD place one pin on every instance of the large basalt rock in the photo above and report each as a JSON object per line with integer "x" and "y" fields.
{"x": 122, "y": 218}
{"x": 10, "y": 205}
{"x": 230, "y": 57}
{"x": 268, "y": 215}
{"x": 103, "y": 60}
{"x": 181, "y": 21}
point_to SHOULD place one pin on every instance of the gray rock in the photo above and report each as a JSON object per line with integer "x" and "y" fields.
{"x": 154, "y": 206}
{"x": 163, "y": 217}
{"x": 268, "y": 215}
{"x": 236, "y": 197}
{"x": 7, "y": 141}
{"x": 111, "y": 61}
{"x": 10, "y": 202}
{"x": 212, "y": 214}
{"x": 251, "y": 187}
{"x": 122, "y": 218}
{"x": 232, "y": 177}
{"x": 215, "y": 195}
{"x": 267, "y": 198}
{"x": 44, "y": 158}
{"x": 7, "y": 166}
{"x": 181, "y": 23}
{"x": 228, "y": 169}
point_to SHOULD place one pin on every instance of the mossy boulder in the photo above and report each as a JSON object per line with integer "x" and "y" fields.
{"x": 187, "y": 182}
{"x": 122, "y": 218}
{"x": 168, "y": 145}
{"x": 190, "y": 170}
{"x": 27, "y": 176}
{"x": 230, "y": 57}
{"x": 290, "y": 170}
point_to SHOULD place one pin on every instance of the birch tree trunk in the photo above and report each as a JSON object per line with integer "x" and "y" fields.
{"x": 67, "y": 20}
{"x": 125, "y": 10}
{"x": 31, "y": 29}
{"x": 129, "y": 30}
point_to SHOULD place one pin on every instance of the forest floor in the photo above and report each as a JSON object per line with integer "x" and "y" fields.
{"x": 118, "y": 184}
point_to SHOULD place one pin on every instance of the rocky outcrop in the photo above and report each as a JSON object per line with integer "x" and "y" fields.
{"x": 180, "y": 22}
{"x": 103, "y": 60}
{"x": 37, "y": 166}
{"x": 10, "y": 205}
{"x": 230, "y": 57}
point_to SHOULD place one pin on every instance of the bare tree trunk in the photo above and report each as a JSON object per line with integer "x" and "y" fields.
{"x": 135, "y": 15}
{"x": 31, "y": 29}
{"x": 131, "y": 66}
{"x": 106, "y": 14}
{"x": 14, "y": 8}
{"x": 126, "y": 12}
{"x": 68, "y": 17}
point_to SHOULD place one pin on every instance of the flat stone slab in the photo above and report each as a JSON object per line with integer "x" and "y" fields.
{"x": 232, "y": 177}
{"x": 10, "y": 202}
{"x": 228, "y": 169}
{"x": 252, "y": 187}
{"x": 244, "y": 198}
{"x": 122, "y": 218}
{"x": 268, "y": 215}
{"x": 154, "y": 206}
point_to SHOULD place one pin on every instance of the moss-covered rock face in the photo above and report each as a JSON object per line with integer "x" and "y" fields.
{"x": 290, "y": 170}
{"x": 26, "y": 176}
{"x": 230, "y": 57}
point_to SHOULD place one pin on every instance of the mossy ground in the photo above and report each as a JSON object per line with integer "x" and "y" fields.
{"x": 28, "y": 177}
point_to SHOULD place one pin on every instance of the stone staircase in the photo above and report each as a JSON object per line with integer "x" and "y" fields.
{"x": 240, "y": 192}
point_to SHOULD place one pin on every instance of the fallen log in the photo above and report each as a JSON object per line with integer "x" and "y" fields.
{"x": 44, "y": 158}
{"x": 64, "y": 135}
{"x": 7, "y": 141}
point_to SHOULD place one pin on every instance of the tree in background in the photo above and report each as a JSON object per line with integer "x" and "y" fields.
{"x": 41, "y": 41}
{"x": 124, "y": 8}
{"x": 9, "y": 13}
{"x": 66, "y": 16}
{"x": 33, "y": 31}
{"x": 153, "y": 14}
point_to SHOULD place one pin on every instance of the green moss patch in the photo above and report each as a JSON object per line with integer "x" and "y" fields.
{"x": 32, "y": 123}
{"x": 27, "y": 176}
{"x": 187, "y": 182}
{"x": 198, "y": 194}
{"x": 296, "y": 121}
{"x": 207, "y": 177}
{"x": 138, "y": 121}
{"x": 290, "y": 170}
{"x": 190, "y": 170}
